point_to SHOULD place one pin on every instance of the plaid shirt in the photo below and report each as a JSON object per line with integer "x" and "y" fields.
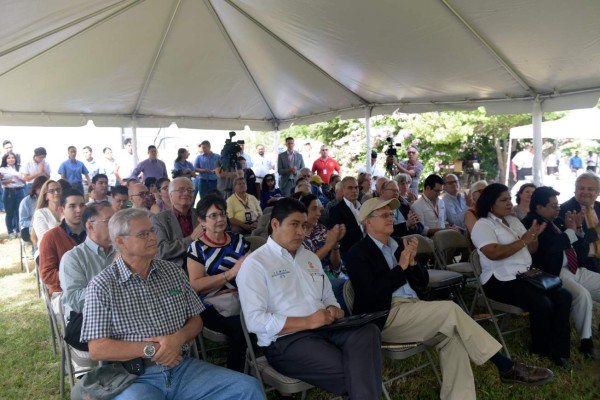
{"x": 122, "y": 306}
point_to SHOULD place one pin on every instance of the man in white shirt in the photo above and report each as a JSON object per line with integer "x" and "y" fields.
{"x": 430, "y": 209}
{"x": 455, "y": 202}
{"x": 523, "y": 163}
{"x": 376, "y": 171}
{"x": 262, "y": 165}
{"x": 286, "y": 296}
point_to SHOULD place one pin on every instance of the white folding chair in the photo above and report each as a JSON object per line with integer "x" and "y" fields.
{"x": 26, "y": 254}
{"x": 399, "y": 351}
{"x": 506, "y": 310}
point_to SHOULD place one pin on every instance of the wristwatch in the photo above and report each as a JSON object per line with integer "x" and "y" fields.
{"x": 149, "y": 350}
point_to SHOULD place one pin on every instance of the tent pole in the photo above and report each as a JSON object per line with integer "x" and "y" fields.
{"x": 537, "y": 141}
{"x": 368, "y": 112}
{"x": 508, "y": 160}
{"x": 134, "y": 141}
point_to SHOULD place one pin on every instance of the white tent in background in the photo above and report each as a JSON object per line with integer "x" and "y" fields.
{"x": 580, "y": 124}
{"x": 225, "y": 64}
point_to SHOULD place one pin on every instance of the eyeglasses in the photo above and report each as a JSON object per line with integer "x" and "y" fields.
{"x": 53, "y": 191}
{"x": 451, "y": 182}
{"x": 164, "y": 189}
{"x": 184, "y": 190}
{"x": 145, "y": 234}
{"x": 305, "y": 175}
{"x": 120, "y": 201}
{"x": 383, "y": 215}
{"x": 214, "y": 216}
{"x": 141, "y": 194}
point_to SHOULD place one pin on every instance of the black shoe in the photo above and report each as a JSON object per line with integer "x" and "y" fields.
{"x": 526, "y": 375}
{"x": 590, "y": 353}
{"x": 562, "y": 362}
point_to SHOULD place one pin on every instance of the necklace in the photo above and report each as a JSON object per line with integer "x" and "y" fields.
{"x": 217, "y": 244}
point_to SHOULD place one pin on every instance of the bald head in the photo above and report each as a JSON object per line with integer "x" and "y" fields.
{"x": 137, "y": 194}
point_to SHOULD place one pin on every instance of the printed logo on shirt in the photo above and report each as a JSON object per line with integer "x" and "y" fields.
{"x": 174, "y": 292}
{"x": 280, "y": 273}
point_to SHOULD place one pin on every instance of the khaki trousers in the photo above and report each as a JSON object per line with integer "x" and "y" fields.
{"x": 412, "y": 320}
{"x": 584, "y": 286}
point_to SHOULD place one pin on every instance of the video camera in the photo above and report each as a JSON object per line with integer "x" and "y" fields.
{"x": 390, "y": 152}
{"x": 229, "y": 154}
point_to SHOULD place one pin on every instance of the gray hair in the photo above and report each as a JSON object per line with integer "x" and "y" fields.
{"x": 339, "y": 186}
{"x": 403, "y": 178}
{"x": 588, "y": 175}
{"x": 479, "y": 185}
{"x": 304, "y": 170}
{"x": 238, "y": 179}
{"x": 119, "y": 222}
{"x": 179, "y": 179}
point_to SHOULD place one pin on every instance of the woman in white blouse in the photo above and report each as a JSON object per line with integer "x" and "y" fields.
{"x": 46, "y": 215}
{"x": 14, "y": 191}
{"x": 504, "y": 246}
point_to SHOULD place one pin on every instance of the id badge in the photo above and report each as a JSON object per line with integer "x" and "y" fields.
{"x": 325, "y": 171}
{"x": 248, "y": 217}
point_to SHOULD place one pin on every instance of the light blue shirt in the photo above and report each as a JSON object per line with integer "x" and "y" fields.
{"x": 248, "y": 159}
{"x": 26, "y": 210}
{"x": 456, "y": 207}
{"x": 72, "y": 170}
{"x": 388, "y": 251}
{"x": 207, "y": 162}
{"x": 77, "y": 268}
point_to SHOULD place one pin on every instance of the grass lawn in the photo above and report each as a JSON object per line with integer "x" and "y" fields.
{"x": 30, "y": 371}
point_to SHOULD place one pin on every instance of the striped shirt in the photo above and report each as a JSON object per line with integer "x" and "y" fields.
{"x": 120, "y": 305}
{"x": 217, "y": 260}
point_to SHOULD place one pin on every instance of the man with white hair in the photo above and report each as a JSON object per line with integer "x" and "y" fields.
{"x": 142, "y": 313}
{"x": 455, "y": 202}
{"x": 177, "y": 227}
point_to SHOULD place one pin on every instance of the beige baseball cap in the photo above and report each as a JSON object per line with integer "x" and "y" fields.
{"x": 375, "y": 204}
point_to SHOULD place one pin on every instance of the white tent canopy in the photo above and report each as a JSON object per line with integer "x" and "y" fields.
{"x": 580, "y": 124}
{"x": 224, "y": 64}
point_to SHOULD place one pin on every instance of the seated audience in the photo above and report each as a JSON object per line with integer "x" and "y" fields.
{"x": 285, "y": 297}
{"x": 99, "y": 189}
{"x": 213, "y": 263}
{"x": 384, "y": 275}
{"x": 587, "y": 189}
{"x": 177, "y": 227}
{"x": 556, "y": 255}
{"x": 339, "y": 195}
{"x": 120, "y": 197}
{"x": 325, "y": 244}
{"x": 269, "y": 194}
{"x": 456, "y": 203}
{"x": 505, "y": 249}
{"x": 249, "y": 176}
{"x": 405, "y": 221}
{"x": 154, "y": 334}
{"x": 430, "y": 209}
{"x": 364, "y": 185}
{"x": 243, "y": 209}
{"x": 302, "y": 185}
{"x": 346, "y": 212}
{"x": 60, "y": 239}
{"x": 162, "y": 197}
{"x": 471, "y": 214}
{"x": 28, "y": 206}
{"x": 406, "y": 195}
{"x": 333, "y": 181}
{"x": 523, "y": 198}
{"x": 316, "y": 188}
{"x": 140, "y": 196}
{"x": 47, "y": 213}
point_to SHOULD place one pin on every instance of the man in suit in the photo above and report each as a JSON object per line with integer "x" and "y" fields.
{"x": 346, "y": 212}
{"x": 288, "y": 164}
{"x": 587, "y": 188}
{"x": 405, "y": 221}
{"x": 556, "y": 255}
{"x": 178, "y": 227}
{"x": 384, "y": 275}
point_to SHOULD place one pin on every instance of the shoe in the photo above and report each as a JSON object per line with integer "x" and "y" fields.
{"x": 526, "y": 375}
{"x": 562, "y": 362}
{"x": 588, "y": 350}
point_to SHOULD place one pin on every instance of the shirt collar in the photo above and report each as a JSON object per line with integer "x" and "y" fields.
{"x": 96, "y": 248}
{"x": 352, "y": 206}
{"x": 180, "y": 215}
{"x": 125, "y": 273}
{"x": 392, "y": 244}
{"x": 274, "y": 246}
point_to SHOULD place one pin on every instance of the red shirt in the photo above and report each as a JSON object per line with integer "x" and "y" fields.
{"x": 185, "y": 221}
{"x": 325, "y": 168}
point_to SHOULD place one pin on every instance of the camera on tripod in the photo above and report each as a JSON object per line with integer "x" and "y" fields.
{"x": 229, "y": 154}
{"x": 391, "y": 151}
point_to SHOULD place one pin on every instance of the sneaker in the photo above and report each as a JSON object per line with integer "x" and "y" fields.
{"x": 526, "y": 375}
{"x": 12, "y": 235}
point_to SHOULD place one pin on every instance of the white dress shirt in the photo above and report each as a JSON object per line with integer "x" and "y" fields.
{"x": 432, "y": 217}
{"x": 491, "y": 230}
{"x": 274, "y": 285}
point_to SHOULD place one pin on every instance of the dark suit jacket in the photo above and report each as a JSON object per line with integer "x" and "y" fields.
{"x": 341, "y": 214}
{"x": 374, "y": 282}
{"x": 401, "y": 229}
{"x": 172, "y": 246}
{"x": 550, "y": 254}
{"x": 590, "y": 234}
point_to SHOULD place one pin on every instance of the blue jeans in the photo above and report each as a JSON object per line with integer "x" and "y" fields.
{"x": 1, "y": 199}
{"x": 206, "y": 185}
{"x": 12, "y": 199}
{"x": 192, "y": 379}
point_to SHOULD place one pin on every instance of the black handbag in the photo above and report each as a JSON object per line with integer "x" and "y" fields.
{"x": 540, "y": 279}
{"x": 73, "y": 331}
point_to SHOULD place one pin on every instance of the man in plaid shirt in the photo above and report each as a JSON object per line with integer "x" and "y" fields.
{"x": 143, "y": 313}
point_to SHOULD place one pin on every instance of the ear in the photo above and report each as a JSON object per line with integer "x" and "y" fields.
{"x": 119, "y": 241}
{"x": 61, "y": 210}
{"x": 274, "y": 224}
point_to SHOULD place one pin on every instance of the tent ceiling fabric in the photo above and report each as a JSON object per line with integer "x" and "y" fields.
{"x": 224, "y": 64}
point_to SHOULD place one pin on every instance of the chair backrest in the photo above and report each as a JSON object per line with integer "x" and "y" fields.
{"x": 425, "y": 247}
{"x": 255, "y": 241}
{"x": 476, "y": 263}
{"x": 447, "y": 243}
{"x": 348, "y": 292}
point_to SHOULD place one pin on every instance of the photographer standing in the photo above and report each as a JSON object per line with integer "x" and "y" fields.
{"x": 411, "y": 167}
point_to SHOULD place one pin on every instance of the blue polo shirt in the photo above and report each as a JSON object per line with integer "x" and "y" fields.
{"x": 73, "y": 171}
{"x": 207, "y": 162}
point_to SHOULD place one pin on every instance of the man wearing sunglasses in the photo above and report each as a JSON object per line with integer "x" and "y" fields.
{"x": 325, "y": 166}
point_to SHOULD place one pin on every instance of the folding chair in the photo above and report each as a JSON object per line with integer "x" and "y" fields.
{"x": 261, "y": 370}
{"x": 506, "y": 310}
{"x": 439, "y": 279}
{"x": 26, "y": 255}
{"x": 399, "y": 351}
{"x": 68, "y": 357}
{"x": 54, "y": 333}
{"x": 255, "y": 241}
{"x": 213, "y": 336}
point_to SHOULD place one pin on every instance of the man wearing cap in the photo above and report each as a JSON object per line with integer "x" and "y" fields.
{"x": 384, "y": 275}
{"x": 316, "y": 188}
{"x": 375, "y": 170}
{"x": 288, "y": 164}
{"x": 324, "y": 166}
